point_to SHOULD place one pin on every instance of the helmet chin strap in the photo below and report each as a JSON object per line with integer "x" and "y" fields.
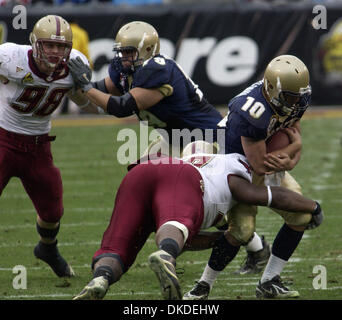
{"x": 46, "y": 67}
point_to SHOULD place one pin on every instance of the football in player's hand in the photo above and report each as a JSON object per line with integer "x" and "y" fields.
{"x": 277, "y": 141}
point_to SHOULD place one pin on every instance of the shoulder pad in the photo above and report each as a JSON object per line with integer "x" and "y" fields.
{"x": 152, "y": 74}
{"x": 11, "y": 55}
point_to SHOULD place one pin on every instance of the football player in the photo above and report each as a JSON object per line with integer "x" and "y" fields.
{"x": 155, "y": 88}
{"x": 180, "y": 197}
{"x": 276, "y": 102}
{"x": 33, "y": 81}
{"x": 141, "y": 81}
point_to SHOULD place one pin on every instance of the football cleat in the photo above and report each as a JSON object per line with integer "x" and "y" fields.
{"x": 49, "y": 253}
{"x": 274, "y": 289}
{"x": 256, "y": 261}
{"x": 160, "y": 263}
{"x": 96, "y": 289}
{"x": 199, "y": 292}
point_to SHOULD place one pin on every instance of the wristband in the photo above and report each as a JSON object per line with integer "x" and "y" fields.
{"x": 317, "y": 209}
{"x": 269, "y": 195}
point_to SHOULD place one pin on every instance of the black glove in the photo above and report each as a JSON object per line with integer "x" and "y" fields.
{"x": 81, "y": 73}
{"x": 317, "y": 218}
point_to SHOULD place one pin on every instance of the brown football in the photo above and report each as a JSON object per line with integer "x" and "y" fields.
{"x": 277, "y": 141}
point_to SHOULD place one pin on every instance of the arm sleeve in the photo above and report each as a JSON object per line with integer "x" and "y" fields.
{"x": 4, "y": 59}
{"x": 122, "y": 106}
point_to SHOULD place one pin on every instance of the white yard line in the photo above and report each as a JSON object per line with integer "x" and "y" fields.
{"x": 87, "y": 209}
{"x": 154, "y": 293}
{"x": 64, "y": 225}
{"x": 60, "y": 244}
{"x": 79, "y": 194}
{"x": 64, "y": 295}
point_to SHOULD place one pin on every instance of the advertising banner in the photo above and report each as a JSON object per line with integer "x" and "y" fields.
{"x": 223, "y": 48}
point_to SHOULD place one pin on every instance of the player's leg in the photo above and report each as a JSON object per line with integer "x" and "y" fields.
{"x": 178, "y": 213}
{"x": 285, "y": 243}
{"x": 130, "y": 225}
{"x": 203, "y": 240}
{"x": 170, "y": 241}
{"x": 258, "y": 250}
{"x": 241, "y": 228}
{"x": 43, "y": 183}
{"x": 6, "y": 171}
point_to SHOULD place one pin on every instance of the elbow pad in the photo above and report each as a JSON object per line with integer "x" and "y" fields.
{"x": 122, "y": 106}
{"x": 100, "y": 85}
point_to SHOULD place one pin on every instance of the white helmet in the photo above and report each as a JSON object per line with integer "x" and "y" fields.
{"x": 199, "y": 146}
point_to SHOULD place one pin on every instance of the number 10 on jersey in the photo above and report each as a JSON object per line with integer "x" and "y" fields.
{"x": 256, "y": 109}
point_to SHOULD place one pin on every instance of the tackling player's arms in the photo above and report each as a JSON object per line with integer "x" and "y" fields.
{"x": 144, "y": 98}
{"x": 284, "y": 199}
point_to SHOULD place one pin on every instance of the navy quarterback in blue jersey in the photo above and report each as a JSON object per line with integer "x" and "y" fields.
{"x": 277, "y": 102}
{"x": 141, "y": 81}
{"x": 252, "y": 116}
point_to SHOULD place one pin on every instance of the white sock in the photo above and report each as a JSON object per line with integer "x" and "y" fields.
{"x": 255, "y": 244}
{"x": 273, "y": 268}
{"x": 209, "y": 275}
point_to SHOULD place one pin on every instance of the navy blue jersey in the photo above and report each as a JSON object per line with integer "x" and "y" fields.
{"x": 250, "y": 115}
{"x": 185, "y": 108}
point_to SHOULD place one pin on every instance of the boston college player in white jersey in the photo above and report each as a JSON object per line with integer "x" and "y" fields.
{"x": 179, "y": 198}
{"x": 33, "y": 83}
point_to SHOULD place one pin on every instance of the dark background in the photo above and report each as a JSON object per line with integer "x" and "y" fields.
{"x": 276, "y": 29}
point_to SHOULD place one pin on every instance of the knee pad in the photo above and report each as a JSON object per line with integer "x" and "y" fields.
{"x": 242, "y": 223}
{"x": 242, "y": 233}
{"x": 297, "y": 219}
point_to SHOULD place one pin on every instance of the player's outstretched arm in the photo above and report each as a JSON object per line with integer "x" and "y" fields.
{"x": 275, "y": 197}
{"x": 82, "y": 101}
{"x": 119, "y": 106}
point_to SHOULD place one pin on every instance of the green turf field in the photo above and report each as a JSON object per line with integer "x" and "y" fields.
{"x": 86, "y": 156}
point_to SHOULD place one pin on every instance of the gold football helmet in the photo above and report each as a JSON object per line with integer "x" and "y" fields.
{"x": 287, "y": 84}
{"x": 51, "y": 29}
{"x": 136, "y": 41}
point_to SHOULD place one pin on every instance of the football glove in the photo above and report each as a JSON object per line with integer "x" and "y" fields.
{"x": 81, "y": 73}
{"x": 317, "y": 218}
